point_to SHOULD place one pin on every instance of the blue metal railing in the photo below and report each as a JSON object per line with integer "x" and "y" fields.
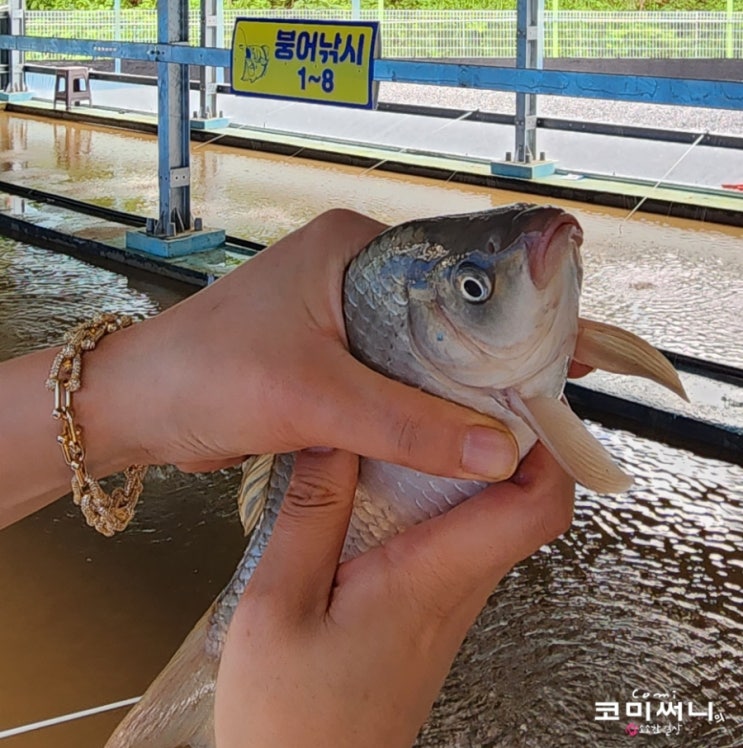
{"x": 643, "y": 89}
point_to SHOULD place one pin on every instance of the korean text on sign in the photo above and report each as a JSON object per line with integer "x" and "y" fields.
{"x": 327, "y": 62}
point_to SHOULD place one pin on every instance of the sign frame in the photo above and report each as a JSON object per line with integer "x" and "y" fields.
{"x": 372, "y": 85}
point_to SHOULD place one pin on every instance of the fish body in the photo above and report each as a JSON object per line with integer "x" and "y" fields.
{"x": 481, "y": 309}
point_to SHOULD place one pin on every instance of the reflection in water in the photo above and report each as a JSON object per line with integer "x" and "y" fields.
{"x": 13, "y": 144}
{"x": 646, "y": 590}
{"x": 71, "y": 145}
{"x": 678, "y": 283}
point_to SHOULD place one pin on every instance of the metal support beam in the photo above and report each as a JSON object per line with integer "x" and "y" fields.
{"x": 174, "y": 174}
{"x": 212, "y": 34}
{"x": 641, "y": 89}
{"x": 16, "y": 58}
{"x": 529, "y": 56}
{"x": 117, "y": 32}
{"x": 174, "y": 233}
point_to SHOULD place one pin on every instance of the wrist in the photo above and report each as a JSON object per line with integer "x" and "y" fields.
{"x": 108, "y": 407}
{"x": 106, "y": 410}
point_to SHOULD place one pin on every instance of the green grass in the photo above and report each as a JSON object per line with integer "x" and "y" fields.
{"x": 613, "y": 5}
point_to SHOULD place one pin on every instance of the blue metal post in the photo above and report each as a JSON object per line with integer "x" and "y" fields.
{"x": 174, "y": 232}
{"x": 212, "y": 35}
{"x": 174, "y": 174}
{"x": 117, "y": 32}
{"x": 529, "y": 55}
{"x": 211, "y": 25}
{"x": 16, "y": 77}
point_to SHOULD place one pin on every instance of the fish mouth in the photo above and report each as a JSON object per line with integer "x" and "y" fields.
{"x": 560, "y": 236}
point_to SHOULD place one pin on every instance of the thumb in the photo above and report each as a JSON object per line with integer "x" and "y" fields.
{"x": 302, "y": 555}
{"x": 381, "y": 418}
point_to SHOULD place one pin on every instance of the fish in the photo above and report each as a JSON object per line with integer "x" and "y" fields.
{"x": 482, "y": 309}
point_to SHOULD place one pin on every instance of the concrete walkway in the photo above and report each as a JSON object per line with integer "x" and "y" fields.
{"x": 579, "y": 152}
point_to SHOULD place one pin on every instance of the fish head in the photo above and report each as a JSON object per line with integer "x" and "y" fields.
{"x": 483, "y": 309}
{"x": 493, "y": 297}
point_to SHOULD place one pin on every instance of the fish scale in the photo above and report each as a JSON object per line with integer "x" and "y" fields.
{"x": 228, "y": 598}
{"x": 481, "y": 309}
{"x": 389, "y": 498}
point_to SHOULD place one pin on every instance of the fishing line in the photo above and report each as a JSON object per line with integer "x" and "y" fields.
{"x": 240, "y": 127}
{"x": 66, "y": 718}
{"x": 657, "y": 184}
{"x": 461, "y": 118}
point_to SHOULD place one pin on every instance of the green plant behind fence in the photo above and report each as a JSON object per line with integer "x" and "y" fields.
{"x": 457, "y": 34}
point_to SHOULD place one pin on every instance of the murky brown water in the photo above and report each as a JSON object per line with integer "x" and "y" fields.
{"x": 645, "y": 592}
{"x": 85, "y": 620}
{"x": 679, "y": 283}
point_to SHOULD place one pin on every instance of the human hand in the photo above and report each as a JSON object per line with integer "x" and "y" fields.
{"x": 355, "y": 655}
{"x": 258, "y": 362}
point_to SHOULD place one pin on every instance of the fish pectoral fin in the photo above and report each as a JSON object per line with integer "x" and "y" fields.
{"x": 577, "y": 450}
{"x": 177, "y": 710}
{"x": 613, "y": 349}
{"x": 251, "y": 499}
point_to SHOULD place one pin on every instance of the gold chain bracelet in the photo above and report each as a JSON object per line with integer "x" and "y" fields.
{"x": 108, "y": 514}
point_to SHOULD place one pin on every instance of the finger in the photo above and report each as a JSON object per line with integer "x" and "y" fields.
{"x": 384, "y": 419}
{"x": 208, "y": 466}
{"x": 302, "y": 556}
{"x": 469, "y": 549}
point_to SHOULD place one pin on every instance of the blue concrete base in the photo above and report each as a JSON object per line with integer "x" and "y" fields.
{"x": 183, "y": 244}
{"x": 213, "y": 123}
{"x": 12, "y": 96}
{"x": 532, "y": 170}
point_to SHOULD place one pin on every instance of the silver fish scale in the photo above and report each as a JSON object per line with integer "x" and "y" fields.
{"x": 375, "y": 306}
{"x": 389, "y": 498}
{"x": 230, "y": 595}
{"x": 380, "y": 326}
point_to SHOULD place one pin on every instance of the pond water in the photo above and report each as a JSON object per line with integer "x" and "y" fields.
{"x": 644, "y": 594}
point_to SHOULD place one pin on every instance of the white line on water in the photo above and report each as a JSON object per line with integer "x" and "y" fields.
{"x": 240, "y": 127}
{"x": 659, "y": 182}
{"x": 66, "y": 718}
{"x": 405, "y": 149}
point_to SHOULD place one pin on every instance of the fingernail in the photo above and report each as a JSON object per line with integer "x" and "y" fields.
{"x": 489, "y": 453}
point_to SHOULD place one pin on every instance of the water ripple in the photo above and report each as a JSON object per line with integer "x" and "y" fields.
{"x": 43, "y": 294}
{"x": 645, "y": 591}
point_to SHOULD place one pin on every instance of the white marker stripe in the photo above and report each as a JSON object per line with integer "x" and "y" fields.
{"x": 66, "y": 718}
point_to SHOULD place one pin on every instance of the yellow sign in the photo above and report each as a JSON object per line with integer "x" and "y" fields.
{"x": 330, "y": 62}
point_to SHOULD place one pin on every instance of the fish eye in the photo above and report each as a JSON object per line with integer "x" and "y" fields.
{"x": 473, "y": 284}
